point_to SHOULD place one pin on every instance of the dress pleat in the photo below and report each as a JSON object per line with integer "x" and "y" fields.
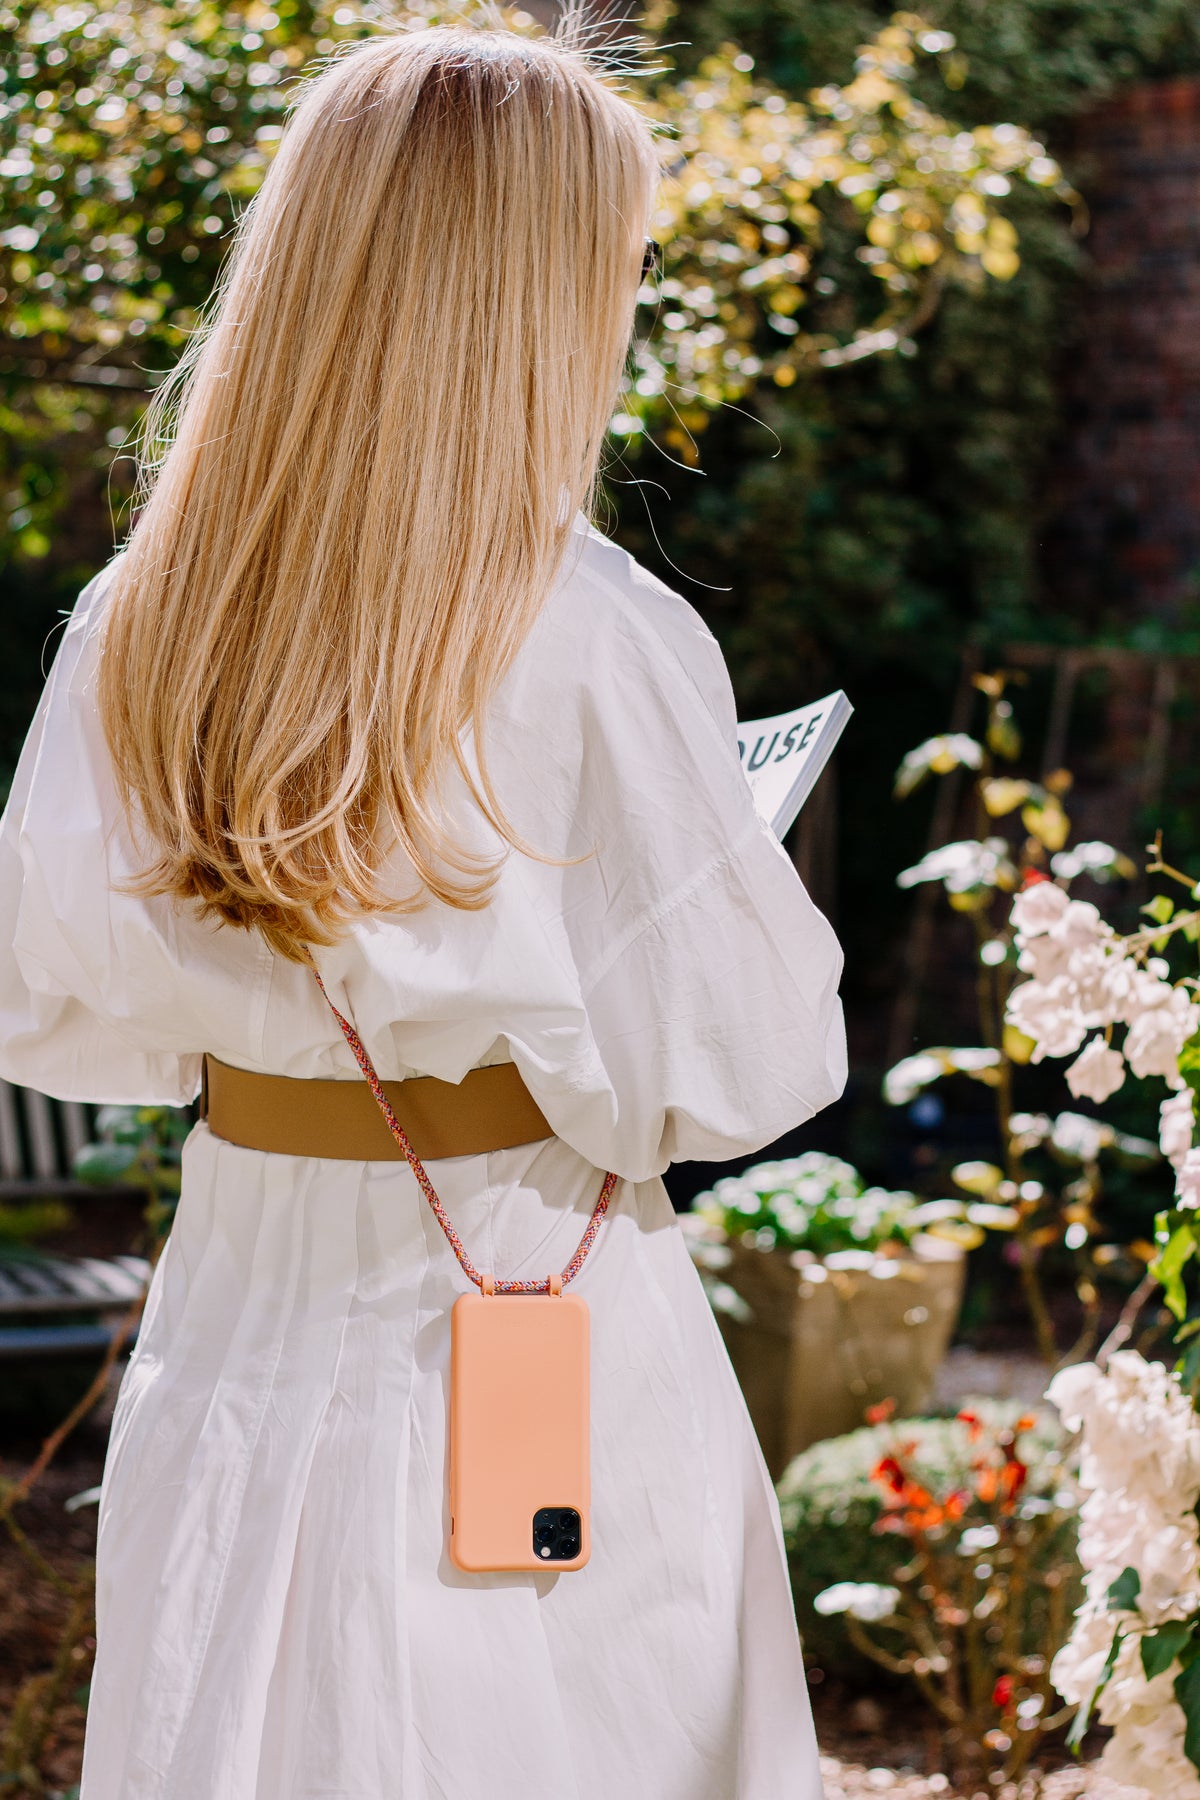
{"x": 274, "y": 1517}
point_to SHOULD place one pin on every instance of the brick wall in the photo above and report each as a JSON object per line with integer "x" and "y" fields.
{"x": 1125, "y": 536}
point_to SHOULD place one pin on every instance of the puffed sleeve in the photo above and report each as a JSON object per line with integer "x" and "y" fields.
{"x": 85, "y": 1001}
{"x": 719, "y": 1023}
{"x": 708, "y": 976}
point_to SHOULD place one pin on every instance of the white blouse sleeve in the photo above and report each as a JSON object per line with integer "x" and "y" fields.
{"x": 719, "y": 1024}
{"x": 708, "y": 976}
{"x": 85, "y": 995}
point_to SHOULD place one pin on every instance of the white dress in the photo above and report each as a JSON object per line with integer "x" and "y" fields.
{"x": 278, "y": 1617}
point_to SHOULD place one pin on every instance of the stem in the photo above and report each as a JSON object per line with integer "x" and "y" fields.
{"x": 1043, "y": 1328}
{"x": 33, "y": 1555}
{"x": 953, "y": 1715}
{"x": 20, "y": 1490}
{"x": 39, "y": 1698}
{"x": 1127, "y": 1319}
{"x": 1156, "y": 866}
{"x": 1031, "y": 1287}
{"x": 1089, "y": 1297}
{"x": 1146, "y": 938}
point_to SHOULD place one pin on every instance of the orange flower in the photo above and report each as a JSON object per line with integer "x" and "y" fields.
{"x": 1001, "y": 1484}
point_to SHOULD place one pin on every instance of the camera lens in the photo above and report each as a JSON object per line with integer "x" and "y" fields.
{"x": 544, "y": 1534}
{"x": 569, "y": 1545}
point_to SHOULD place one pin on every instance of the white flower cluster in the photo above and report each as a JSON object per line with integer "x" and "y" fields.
{"x": 1140, "y": 1471}
{"x": 1082, "y": 980}
{"x": 972, "y": 863}
{"x": 866, "y": 1600}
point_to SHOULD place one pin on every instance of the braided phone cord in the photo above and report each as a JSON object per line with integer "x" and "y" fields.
{"x": 553, "y": 1284}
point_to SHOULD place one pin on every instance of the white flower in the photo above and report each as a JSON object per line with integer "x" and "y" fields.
{"x": 1036, "y": 908}
{"x": 1176, "y": 1121}
{"x": 1097, "y": 858}
{"x": 1048, "y": 1013}
{"x": 1045, "y": 957}
{"x": 1146, "y": 992}
{"x": 1102, "y": 981}
{"x": 962, "y": 866}
{"x": 1079, "y": 1664}
{"x": 1140, "y": 1471}
{"x": 1167, "y": 1563}
{"x": 1081, "y": 924}
{"x": 1187, "y": 1182}
{"x": 866, "y": 1600}
{"x": 904, "y": 1081}
{"x": 1074, "y": 1134}
{"x": 1047, "y": 950}
{"x": 1140, "y": 1459}
{"x": 1072, "y": 1391}
{"x": 1097, "y": 1073}
{"x": 1118, "y": 982}
{"x": 977, "y": 1538}
{"x": 1147, "y": 1753}
{"x": 1159, "y": 1032}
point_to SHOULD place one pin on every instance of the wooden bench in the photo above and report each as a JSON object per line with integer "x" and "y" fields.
{"x": 52, "y": 1305}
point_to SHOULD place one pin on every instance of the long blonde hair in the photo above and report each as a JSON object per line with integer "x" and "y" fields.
{"x": 362, "y": 477}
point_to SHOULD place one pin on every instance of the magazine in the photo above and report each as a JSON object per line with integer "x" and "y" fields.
{"x": 784, "y": 755}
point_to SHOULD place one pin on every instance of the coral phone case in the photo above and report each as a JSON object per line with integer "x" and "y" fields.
{"x": 519, "y": 1431}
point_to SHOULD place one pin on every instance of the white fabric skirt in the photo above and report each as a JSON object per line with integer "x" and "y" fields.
{"x": 278, "y": 1617}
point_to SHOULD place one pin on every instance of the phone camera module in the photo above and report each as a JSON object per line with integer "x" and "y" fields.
{"x": 557, "y": 1533}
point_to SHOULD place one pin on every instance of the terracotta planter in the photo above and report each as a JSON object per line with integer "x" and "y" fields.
{"x": 823, "y": 1340}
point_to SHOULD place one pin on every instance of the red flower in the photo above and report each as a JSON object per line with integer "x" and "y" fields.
{"x": 881, "y": 1411}
{"x": 1001, "y": 1484}
{"x": 890, "y": 1474}
{"x": 1002, "y": 1693}
{"x": 1031, "y": 877}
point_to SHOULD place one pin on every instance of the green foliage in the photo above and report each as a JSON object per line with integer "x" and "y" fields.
{"x": 1176, "y": 1239}
{"x": 852, "y": 528}
{"x": 1159, "y": 1649}
{"x": 139, "y": 1146}
{"x": 859, "y": 529}
{"x": 1083, "y": 1717}
{"x": 132, "y": 132}
{"x": 831, "y": 1508}
{"x": 1035, "y": 60}
{"x": 821, "y": 1205}
{"x": 25, "y": 1221}
{"x": 1187, "y": 1692}
{"x": 761, "y": 186}
{"x": 135, "y": 133}
{"x": 1123, "y": 1591}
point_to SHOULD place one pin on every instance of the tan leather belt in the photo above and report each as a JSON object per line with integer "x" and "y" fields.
{"x": 489, "y": 1109}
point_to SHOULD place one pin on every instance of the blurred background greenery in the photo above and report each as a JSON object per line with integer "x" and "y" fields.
{"x": 851, "y": 392}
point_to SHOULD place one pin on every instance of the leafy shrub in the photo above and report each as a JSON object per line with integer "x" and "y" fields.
{"x": 821, "y": 1205}
{"x": 831, "y": 1509}
{"x": 811, "y": 1202}
{"x": 139, "y": 1146}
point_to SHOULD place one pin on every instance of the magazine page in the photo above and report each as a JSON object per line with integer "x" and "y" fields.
{"x": 783, "y": 755}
